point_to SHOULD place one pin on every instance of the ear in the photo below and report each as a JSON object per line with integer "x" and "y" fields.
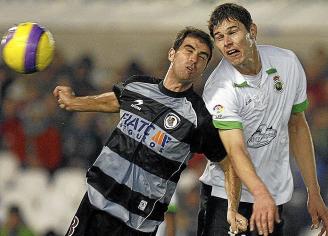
{"x": 171, "y": 54}
{"x": 253, "y": 31}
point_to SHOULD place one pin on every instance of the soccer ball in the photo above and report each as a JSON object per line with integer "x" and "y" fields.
{"x": 27, "y": 48}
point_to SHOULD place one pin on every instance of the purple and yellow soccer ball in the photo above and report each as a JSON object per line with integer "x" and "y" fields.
{"x": 27, "y": 48}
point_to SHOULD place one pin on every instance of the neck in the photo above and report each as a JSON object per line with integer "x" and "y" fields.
{"x": 252, "y": 65}
{"x": 171, "y": 83}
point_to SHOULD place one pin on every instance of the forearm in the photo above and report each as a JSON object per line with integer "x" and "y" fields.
{"x": 99, "y": 103}
{"x": 302, "y": 148}
{"x": 246, "y": 172}
{"x": 232, "y": 184}
{"x": 234, "y": 144}
{"x": 170, "y": 224}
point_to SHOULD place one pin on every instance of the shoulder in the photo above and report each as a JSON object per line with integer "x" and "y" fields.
{"x": 142, "y": 79}
{"x": 196, "y": 100}
{"x": 221, "y": 75}
{"x": 276, "y": 52}
{"x": 220, "y": 83}
{"x": 198, "y": 105}
{"x": 137, "y": 82}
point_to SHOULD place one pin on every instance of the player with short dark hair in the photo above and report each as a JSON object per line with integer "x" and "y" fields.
{"x": 162, "y": 122}
{"x": 257, "y": 98}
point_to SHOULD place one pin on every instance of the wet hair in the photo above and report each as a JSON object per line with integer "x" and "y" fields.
{"x": 229, "y": 11}
{"x": 195, "y": 33}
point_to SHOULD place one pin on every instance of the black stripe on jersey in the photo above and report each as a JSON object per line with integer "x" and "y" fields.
{"x": 119, "y": 88}
{"x": 140, "y": 155}
{"x": 157, "y": 114}
{"x": 124, "y": 196}
{"x": 143, "y": 79}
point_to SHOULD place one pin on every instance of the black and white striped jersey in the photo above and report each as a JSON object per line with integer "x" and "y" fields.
{"x": 137, "y": 171}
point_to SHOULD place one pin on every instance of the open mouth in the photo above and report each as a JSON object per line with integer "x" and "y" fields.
{"x": 190, "y": 68}
{"x": 233, "y": 52}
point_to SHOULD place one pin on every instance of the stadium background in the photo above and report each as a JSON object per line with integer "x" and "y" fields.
{"x": 45, "y": 151}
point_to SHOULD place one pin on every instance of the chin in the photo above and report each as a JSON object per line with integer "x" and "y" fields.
{"x": 237, "y": 62}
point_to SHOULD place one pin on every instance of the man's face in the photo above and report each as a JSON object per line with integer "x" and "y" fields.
{"x": 235, "y": 43}
{"x": 189, "y": 61}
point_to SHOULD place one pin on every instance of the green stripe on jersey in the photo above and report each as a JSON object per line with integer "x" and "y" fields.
{"x": 172, "y": 208}
{"x": 300, "y": 107}
{"x": 242, "y": 85}
{"x": 271, "y": 71}
{"x": 227, "y": 124}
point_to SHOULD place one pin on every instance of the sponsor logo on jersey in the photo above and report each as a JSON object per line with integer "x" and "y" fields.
{"x": 171, "y": 121}
{"x": 262, "y": 136}
{"x": 136, "y": 104}
{"x": 144, "y": 131}
{"x": 218, "y": 108}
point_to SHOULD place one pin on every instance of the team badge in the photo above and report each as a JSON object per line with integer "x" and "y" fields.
{"x": 278, "y": 84}
{"x": 171, "y": 121}
{"x": 142, "y": 205}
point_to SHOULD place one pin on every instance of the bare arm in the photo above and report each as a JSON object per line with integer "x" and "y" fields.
{"x": 106, "y": 102}
{"x": 264, "y": 208}
{"x": 170, "y": 223}
{"x": 234, "y": 143}
{"x": 237, "y": 222}
{"x": 232, "y": 184}
{"x": 302, "y": 148}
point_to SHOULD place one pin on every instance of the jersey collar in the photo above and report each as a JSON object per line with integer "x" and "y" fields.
{"x": 239, "y": 79}
{"x": 172, "y": 93}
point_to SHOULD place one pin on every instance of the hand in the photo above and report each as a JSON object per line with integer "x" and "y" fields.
{"x": 318, "y": 212}
{"x": 264, "y": 215}
{"x": 64, "y": 95}
{"x": 238, "y": 223}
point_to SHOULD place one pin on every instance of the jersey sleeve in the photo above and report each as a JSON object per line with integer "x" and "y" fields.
{"x": 172, "y": 208}
{"x": 300, "y": 102}
{"x": 223, "y": 106}
{"x": 207, "y": 140}
{"x": 119, "y": 87}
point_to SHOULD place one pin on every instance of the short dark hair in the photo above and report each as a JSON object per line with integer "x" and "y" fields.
{"x": 195, "y": 33}
{"x": 229, "y": 11}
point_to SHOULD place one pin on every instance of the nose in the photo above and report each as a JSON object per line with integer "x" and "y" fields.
{"x": 193, "y": 57}
{"x": 227, "y": 40}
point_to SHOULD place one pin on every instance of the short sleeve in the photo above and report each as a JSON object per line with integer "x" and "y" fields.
{"x": 172, "y": 208}
{"x": 119, "y": 87}
{"x": 222, "y": 103}
{"x": 207, "y": 140}
{"x": 300, "y": 102}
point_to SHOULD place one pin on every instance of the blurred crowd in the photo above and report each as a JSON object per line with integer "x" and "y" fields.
{"x": 39, "y": 134}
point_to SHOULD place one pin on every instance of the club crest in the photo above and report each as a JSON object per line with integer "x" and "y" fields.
{"x": 278, "y": 84}
{"x": 171, "y": 121}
